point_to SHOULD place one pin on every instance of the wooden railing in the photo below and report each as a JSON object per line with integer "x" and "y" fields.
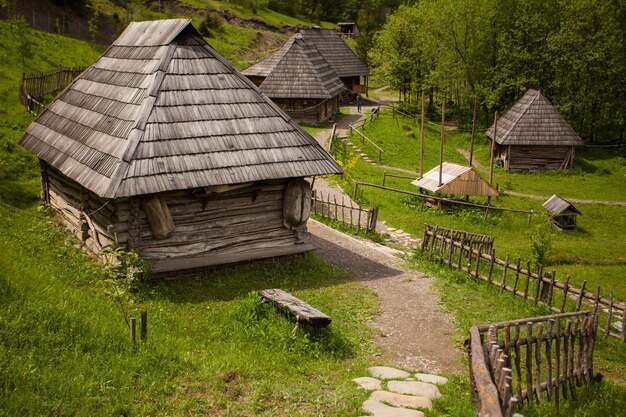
{"x": 36, "y": 86}
{"x": 345, "y": 211}
{"x": 531, "y": 360}
{"x": 517, "y": 278}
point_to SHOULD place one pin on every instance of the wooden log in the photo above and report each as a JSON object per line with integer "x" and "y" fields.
{"x": 504, "y": 271}
{"x": 581, "y": 296}
{"x": 565, "y": 289}
{"x": 529, "y": 361}
{"x": 144, "y": 325}
{"x": 557, "y": 362}
{"x": 492, "y": 262}
{"x": 538, "y": 362}
{"x": 581, "y": 351}
{"x": 518, "y": 368}
{"x": 548, "y": 342}
{"x": 517, "y": 268}
{"x": 478, "y": 253}
{"x": 538, "y": 283}
{"x": 571, "y": 364}
{"x": 301, "y": 311}
{"x": 527, "y": 280}
{"x": 159, "y": 217}
{"x": 487, "y": 393}
{"x": 566, "y": 369}
{"x": 607, "y": 329}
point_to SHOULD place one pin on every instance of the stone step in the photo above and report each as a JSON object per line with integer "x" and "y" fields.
{"x": 401, "y": 400}
{"x": 421, "y": 389}
{"x": 379, "y": 409}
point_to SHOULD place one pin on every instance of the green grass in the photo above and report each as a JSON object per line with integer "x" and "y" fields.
{"x": 212, "y": 347}
{"x": 594, "y": 252}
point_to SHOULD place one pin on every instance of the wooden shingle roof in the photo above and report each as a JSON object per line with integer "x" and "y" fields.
{"x": 556, "y": 205}
{"x": 161, "y": 110}
{"x": 534, "y": 121}
{"x": 302, "y": 72}
{"x": 338, "y": 54}
{"x": 456, "y": 179}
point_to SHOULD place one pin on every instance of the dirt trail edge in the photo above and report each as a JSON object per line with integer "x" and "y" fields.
{"x": 414, "y": 332}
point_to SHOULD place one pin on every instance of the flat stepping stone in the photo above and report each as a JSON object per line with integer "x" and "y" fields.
{"x": 401, "y": 400}
{"x": 387, "y": 372}
{"x": 421, "y": 389}
{"x": 379, "y": 409}
{"x": 370, "y": 384}
{"x": 432, "y": 379}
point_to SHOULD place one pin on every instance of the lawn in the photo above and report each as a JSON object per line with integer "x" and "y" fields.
{"x": 212, "y": 347}
{"x": 594, "y": 252}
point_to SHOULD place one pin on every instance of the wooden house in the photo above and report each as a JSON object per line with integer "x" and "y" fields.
{"x": 161, "y": 146}
{"x": 533, "y": 136}
{"x": 562, "y": 213}
{"x": 300, "y": 82}
{"x": 348, "y": 29}
{"x": 455, "y": 180}
{"x": 348, "y": 66}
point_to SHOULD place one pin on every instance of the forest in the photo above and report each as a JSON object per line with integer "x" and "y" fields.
{"x": 574, "y": 51}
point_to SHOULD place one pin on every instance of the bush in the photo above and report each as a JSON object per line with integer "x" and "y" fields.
{"x": 212, "y": 22}
{"x": 540, "y": 242}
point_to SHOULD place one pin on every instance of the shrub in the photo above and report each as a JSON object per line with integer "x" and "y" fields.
{"x": 540, "y": 242}
{"x": 212, "y": 22}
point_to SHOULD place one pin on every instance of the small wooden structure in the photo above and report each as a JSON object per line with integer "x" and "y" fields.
{"x": 301, "y": 311}
{"x": 348, "y": 29}
{"x": 533, "y": 136}
{"x": 455, "y": 180}
{"x": 161, "y": 146}
{"x": 562, "y": 213}
{"x": 300, "y": 81}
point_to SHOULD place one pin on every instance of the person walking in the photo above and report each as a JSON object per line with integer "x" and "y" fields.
{"x": 359, "y": 102}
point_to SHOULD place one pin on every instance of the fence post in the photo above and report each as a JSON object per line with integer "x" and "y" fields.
{"x": 144, "y": 325}
{"x": 133, "y": 329}
{"x": 504, "y": 272}
{"x": 581, "y": 295}
{"x": 538, "y": 283}
{"x": 374, "y": 219}
{"x": 530, "y": 216}
{"x": 356, "y": 188}
{"x": 384, "y": 177}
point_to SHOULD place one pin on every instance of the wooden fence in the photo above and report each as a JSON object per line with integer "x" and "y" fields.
{"x": 531, "y": 360}
{"x": 344, "y": 212}
{"x": 517, "y": 278}
{"x": 36, "y": 86}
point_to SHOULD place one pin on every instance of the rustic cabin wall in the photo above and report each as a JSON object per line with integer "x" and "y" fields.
{"x": 208, "y": 224}
{"x": 95, "y": 221}
{"x": 538, "y": 158}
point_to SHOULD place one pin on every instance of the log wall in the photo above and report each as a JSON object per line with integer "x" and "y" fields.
{"x": 536, "y": 158}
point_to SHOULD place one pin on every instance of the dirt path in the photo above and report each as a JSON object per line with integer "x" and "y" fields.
{"x": 414, "y": 332}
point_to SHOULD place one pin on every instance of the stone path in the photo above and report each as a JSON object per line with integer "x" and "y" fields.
{"x": 398, "y": 393}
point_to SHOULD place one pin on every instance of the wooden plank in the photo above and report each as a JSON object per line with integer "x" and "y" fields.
{"x": 300, "y": 310}
{"x": 487, "y": 393}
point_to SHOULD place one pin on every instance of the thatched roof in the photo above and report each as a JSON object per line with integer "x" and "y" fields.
{"x": 556, "y": 205}
{"x": 456, "y": 179}
{"x": 161, "y": 110}
{"x": 338, "y": 54}
{"x": 534, "y": 121}
{"x": 302, "y": 72}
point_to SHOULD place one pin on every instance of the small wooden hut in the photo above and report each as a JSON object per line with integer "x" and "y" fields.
{"x": 562, "y": 213}
{"x": 348, "y": 29}
{"x": 342, "y": 59}
{"x": 161, "y": 146}
{"x": 455, "y": 180}
{"x": 533, "y": 136}
{"x": 300, "y": 81}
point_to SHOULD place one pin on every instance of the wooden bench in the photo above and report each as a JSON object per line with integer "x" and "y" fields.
{"x": 301, "y": 311}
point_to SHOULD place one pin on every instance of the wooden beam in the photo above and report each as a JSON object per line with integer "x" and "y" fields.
{"x": 301, "y": 311}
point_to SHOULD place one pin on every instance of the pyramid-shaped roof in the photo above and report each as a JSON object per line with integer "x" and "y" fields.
{"x": 161, "y": 110}
{"x": 534, "y": 121}
{"x": 455, "y": 179}
{"x": 336, "y": 51}
{"x": 556, "y": 205}
{"x": 302, "y": 72}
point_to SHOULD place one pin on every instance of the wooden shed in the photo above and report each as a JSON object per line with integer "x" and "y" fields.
{"x": 533, "y": 136}
{"x": 455, "y": 180}
{"x": 300, "y": 81}
{"x": 348, "y": 29}
{"x": 161, "y": 146}
{"x": 342, "y": 59}
{"x": 562, "y": 213}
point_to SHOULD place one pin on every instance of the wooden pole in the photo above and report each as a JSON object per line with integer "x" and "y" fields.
{"x": 133, "y": 329}
{"x": 443, "y": 125}
{"x": 144, "y": 325}
{"x": 492, "y": 147}
{"x": 422, "y": 140}
{"x": 471, "y": 157}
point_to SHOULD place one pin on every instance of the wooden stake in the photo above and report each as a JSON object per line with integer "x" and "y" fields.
{"x": 492, "y": 147}
{"x": 443, "y": 136}
{"x": 471, "y": 157}
{"x": 144, "y": 325}
{"x": 607, "y": 330}
{"x": 133, "y": 329}
{"x": 422, "y": 140}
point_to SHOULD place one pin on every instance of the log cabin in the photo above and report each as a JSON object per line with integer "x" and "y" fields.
{"x": 300, "y": 82}
{"x": 162, "y": 147}
{"x": 533, "y": 136}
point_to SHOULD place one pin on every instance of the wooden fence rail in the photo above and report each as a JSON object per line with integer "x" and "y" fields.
{"x": 344, "y": 212}
{"x": 531, "y": 360}
{"x": 36, "y": 86}
{"x": 449, "y": 247}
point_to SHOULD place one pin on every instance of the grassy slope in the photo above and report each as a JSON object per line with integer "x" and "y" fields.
{"x": 593, "y": 252}
{"x": 212, "y": 347}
